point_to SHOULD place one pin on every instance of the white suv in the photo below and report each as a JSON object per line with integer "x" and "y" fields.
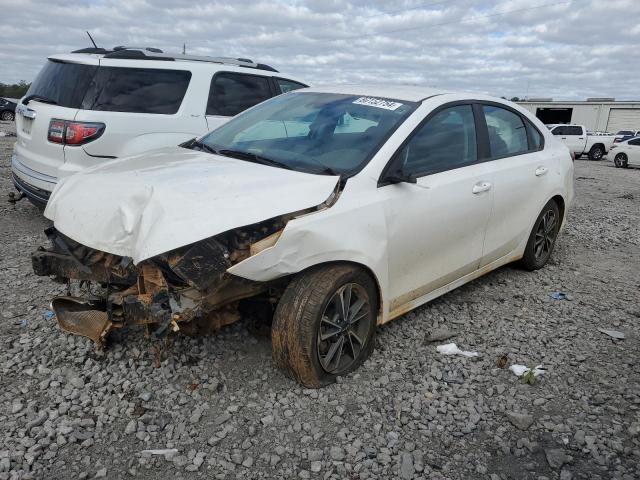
{"x": 93, "y": 105}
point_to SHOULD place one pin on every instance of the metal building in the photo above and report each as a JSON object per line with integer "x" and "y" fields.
{"x": 597, "y": 114}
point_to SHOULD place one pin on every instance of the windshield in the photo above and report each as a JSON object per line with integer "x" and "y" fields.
{"x": 311, "y": 132}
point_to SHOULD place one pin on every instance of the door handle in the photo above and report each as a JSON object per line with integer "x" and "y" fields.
{"x": 481, "y": 187}
{"x": 541, "y": 171}
{"x": 564, "y": 138}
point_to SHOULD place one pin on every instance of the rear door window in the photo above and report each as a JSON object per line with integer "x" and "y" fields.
{"x": 573, "y": 130}
{"x": 285, "y": 85}
{"x": 507, "y": 132}
{"x": 535, "y": 138}
{"x": 232, "y": 93}
{"x": 139, "y": 90}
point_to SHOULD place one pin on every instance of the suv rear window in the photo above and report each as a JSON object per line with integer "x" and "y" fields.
{"x": 116, "y": 89}
{"x": 64, "y": 83}
{"x": 140, "y": 90}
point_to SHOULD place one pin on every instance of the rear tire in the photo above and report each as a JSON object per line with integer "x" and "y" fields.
{"x": 543, "y": 237}
{"x": 621, "y": 161}
{"x": 312, "y": 338}
{"x": 596, "y": 152}
{"x": 7, "y": 116}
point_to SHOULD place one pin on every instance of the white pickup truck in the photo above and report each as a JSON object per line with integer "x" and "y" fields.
{"x": 580, "y": 142}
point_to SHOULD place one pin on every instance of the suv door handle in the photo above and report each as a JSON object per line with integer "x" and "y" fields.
{"x": 541, "y": 171}
{"x": 481, "y": 187}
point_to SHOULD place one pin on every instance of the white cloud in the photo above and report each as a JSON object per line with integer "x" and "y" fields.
{"x": 503, "y": 47}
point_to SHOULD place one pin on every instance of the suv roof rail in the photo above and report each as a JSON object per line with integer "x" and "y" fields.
{"x": 151, "y": 53}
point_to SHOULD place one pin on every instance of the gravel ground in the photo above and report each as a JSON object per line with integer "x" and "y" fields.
{"x": 409, "y": 412}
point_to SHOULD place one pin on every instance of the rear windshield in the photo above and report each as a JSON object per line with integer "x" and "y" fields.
{"x": 64, "y": 83}
{"x": 115, "y": 89}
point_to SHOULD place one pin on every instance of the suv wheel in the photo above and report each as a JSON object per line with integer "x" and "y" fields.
{"x": 542, "y": 238}
{"x": 7, "y": 116}
{"x": 324, "y": 324}
{"x": 621, "y": 160}
{"x": 596, "y": 152}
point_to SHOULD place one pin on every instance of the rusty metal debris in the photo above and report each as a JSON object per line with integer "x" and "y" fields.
{"x": 186, "y": 290}
{"x": 80, "y": 317}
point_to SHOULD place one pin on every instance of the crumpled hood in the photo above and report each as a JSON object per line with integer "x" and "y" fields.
{"x": 152, "y": 203}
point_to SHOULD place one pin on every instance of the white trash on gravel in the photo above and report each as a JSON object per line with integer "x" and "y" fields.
{"x": 452, "y": 349}
{"x": 612, "y": 333}
{"x": 520, "y": 370}
{"x": 162, "y": 451}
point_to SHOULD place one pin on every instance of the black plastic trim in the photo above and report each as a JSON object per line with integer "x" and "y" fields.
{"x": 35, "y": 194}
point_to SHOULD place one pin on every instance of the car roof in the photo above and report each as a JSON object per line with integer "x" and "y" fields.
{"x": 397, "y": 92}
{"x": 169, "y": 62}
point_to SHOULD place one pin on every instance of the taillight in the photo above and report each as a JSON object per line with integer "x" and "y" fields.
{"x": 56, "y": 131}
{"x": 73, "y": 133}
{"x": 573, "y": 156}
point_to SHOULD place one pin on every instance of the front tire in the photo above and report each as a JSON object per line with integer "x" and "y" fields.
{"x": 596, "y": 152}
{"x": 621, "y": 161}
{"x": 7, "y": 116}
{"x": 543, "y": 237}
{"x": 324, "y": 325}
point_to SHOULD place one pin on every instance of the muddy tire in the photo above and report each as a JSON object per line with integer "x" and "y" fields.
{"x": 543, "y": 237}
{"x": 314, "y": 338}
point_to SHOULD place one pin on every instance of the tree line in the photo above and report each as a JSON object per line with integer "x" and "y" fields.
{"x": 14, "y": 90}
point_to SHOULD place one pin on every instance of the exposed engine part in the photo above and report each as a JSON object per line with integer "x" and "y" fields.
{"x": 186, "y": 290}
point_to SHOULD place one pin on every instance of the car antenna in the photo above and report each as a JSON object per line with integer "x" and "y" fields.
{"x": 91, "y": 38}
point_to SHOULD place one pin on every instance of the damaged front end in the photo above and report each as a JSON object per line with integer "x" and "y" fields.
{"x": 187, "y": 289}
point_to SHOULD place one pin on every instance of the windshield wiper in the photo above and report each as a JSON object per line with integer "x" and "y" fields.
{"x": 252, "y": 157}
{"x": 39, "y": 98}
{"x": 202, "y": 146}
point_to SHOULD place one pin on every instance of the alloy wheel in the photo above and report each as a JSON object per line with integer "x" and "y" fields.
{"x": 597, "y": 154}
{"x": 343, "y": 328}
{"x": 545, "y": 235}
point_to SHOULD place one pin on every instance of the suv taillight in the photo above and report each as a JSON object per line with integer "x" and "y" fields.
{"x": 73, "y": 133}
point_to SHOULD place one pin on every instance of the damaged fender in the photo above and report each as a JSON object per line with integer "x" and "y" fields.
{"x": 328, "y": 235}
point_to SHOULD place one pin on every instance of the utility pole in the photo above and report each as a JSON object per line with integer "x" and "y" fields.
{"x": 184, "y": 48}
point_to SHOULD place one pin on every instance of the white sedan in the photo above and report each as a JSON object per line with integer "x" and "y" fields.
{"x": 342, "y": 207}
{"x": 626, "y": 153}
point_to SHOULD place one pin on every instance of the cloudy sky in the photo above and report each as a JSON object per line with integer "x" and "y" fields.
{"x": 561, "y": 49}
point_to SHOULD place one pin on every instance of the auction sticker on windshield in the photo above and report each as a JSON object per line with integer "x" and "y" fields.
{"x": 377, "y": 102}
